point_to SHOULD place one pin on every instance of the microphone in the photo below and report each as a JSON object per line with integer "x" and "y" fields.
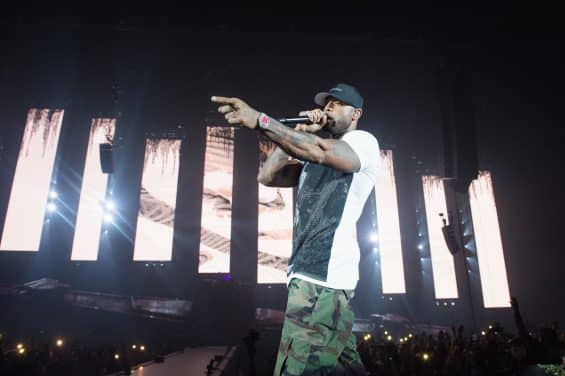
{"x": 294, "y": 120}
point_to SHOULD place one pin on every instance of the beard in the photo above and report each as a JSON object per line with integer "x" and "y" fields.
{"x": 336, "y": 127}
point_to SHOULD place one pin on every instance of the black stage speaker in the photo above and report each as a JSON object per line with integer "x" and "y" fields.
{"x": 107, "y": 158}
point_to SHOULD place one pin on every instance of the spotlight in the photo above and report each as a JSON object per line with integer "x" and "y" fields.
{"x": 142, "y": 348}
{"x": 483, "y": 333}
{"x": 19, "y": 346}
{"x": 410, "y": 335}
{"x": 133, "y": 347}
{"x": 110, "y": 205}
{"x": 51, "y": 207}
{"x": 420, "y": 246}
{"x": 452, "y": 303}
{"x": 59, "y": 342}
{"x": 53, "y": 194}
{"x": 425, "y": 356}
{"x": 108, "y": 218}
{"x": 374, "y": 237}
{"x": 389, "y": 338}
{"x": 116, "y": 356}
{"x": 22, "y": 350}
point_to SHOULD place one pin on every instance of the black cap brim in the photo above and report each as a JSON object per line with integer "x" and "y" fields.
{"x": 320, "y": 98}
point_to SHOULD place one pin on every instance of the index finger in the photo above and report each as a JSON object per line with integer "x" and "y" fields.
{"x": 224, "y": 100}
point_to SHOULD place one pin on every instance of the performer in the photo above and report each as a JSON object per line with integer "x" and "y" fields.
{"x": 334, "y": 177}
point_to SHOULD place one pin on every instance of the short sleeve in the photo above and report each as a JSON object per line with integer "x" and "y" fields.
{"x": 366, "y": 146}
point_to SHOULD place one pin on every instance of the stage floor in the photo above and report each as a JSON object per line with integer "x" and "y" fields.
{"x": 192, "y": 361}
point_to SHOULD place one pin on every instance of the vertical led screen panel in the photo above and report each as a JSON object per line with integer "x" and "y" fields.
{"x": 157, "y": 201}
{"x": 274, "y": 224}
{"x": 215, "y": 232}
{"x": 443, "y": 266}
{"x": 92, "y": 193}
{"x": 490, "y": 254}
{"x": 32, "y": 180}
{"x": 390, "y": 244}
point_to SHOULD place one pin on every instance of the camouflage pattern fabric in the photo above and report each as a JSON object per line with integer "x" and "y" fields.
{"x": 317, "y": 337}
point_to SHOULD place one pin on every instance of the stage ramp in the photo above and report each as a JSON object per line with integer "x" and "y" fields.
{"x": 191, "y": 361}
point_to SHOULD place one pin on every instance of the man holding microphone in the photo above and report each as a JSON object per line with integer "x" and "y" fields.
{"x": 334, "y": 177}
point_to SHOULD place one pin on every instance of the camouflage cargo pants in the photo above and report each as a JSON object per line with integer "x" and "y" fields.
{"x": 317, "y": 337}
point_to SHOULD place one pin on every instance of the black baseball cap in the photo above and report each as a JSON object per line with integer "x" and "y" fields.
{"x": 344, "y": 92}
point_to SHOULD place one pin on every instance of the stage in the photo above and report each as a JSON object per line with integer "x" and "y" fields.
{"x": 191, "y": 361}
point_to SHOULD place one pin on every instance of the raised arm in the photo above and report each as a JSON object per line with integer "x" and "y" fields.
{"x": 279, "y": 170}
{"x": 304, "y": 146}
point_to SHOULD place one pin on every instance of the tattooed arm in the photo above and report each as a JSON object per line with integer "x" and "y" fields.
{"x": 301, "y": 145}
{"x": 279, "y": 171}
{"x": 308, "y": 147}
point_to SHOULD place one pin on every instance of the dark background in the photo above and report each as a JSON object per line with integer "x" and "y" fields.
{"x": 155, "y": 67}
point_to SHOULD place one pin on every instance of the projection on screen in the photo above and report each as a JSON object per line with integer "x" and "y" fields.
{"x": 215, "y": 231}
{"x": 490, "y": 254}
{"x": 32, "y": 181}
{"x": 91, "y": 207}
{"x": 388, "y": 223}
{"x": 157, "y": 201}
{"x": 443, "y": 267}
{"x": 275, "y": 219}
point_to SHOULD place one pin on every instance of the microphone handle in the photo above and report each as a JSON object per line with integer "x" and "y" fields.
{"x": 294, "y": 120}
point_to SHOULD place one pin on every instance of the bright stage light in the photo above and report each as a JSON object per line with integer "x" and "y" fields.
{"x": 51, "y": 207}
{"x": 142, "y": 348}
{"x": 488, "y": 243}
{"x": 374, "y": 237}
{"x": 133, "y": 347}
{"x": 217, "y": 195}
{"x": 53, "y": 194}
{"x": 108, "y": 218}
{"x": 19, "y": 346}
{"x": 274, "y": 230}
{"x": 425, "y": 356}
{"x": 22, "y": 351}
{"x": 389, "y": 237}
{"x": 443, "y": 265}
{"x": 90, "y": 214}
{"x": 59, "y": 343}
{"x": 116, "y": 356}
{"x": 157, "y": 201}
{"x": 110, "y": 205}
{"x": 32, "y": 181}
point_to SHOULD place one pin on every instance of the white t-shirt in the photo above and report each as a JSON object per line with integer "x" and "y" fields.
{"x": 328, "y": 204}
